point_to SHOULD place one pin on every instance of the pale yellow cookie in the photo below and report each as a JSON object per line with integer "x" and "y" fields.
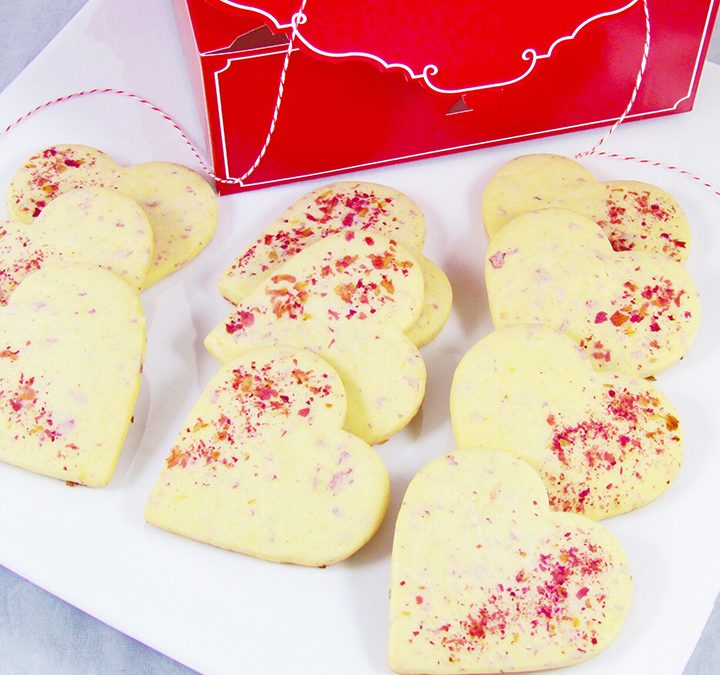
{"x": 633, "y": 215}
{"x": 353, "y": 208}
{"x": 603, "y": 443}
{"x": 349, "y": 300}
{"x": 181, "y": 208}
{"x": 633, "y": 312}
{"x": 72, "y": 340}
{"x": 92, "y": 225}
{"x": 53, "y": 171}
{"x": 485, "y": 578}
{"x": 262, "y": 466}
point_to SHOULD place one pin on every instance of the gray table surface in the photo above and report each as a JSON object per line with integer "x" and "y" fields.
{"x": 38, "y": 632}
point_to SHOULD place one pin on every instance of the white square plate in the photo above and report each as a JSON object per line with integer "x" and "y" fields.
{"x": 220, "y": 612}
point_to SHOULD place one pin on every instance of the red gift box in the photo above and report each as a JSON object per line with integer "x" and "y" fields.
{"x": 376, "y": 82}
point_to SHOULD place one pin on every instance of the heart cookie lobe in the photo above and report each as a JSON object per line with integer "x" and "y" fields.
{"x": 632, "y": 312}
{"x": 181, "y": 208}
{"x": 603, "y": 443}
{"x": 634, "y": 215}
{"x": 351, "y": 208}
{"x": 262, "y": 466}
{"x": 88, "y": 225}
{"x": 485, "y": 578}
{"x": 350, "y": 301}
{"x": 53, "y": 171}
{"x": 534, "y": 182}
{"x": 639, "y": 216}
{"x": 73, "y": 338}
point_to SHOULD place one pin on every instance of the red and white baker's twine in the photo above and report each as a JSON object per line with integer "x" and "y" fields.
{"x": 595, "y": 150}
{"x": 662, "y": 165}
{"x": 299, "y": 18}
{"x": 121, "y": 92}
{"x": 633, "y": 96}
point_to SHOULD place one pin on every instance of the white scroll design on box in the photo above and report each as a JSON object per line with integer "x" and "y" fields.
{"x": 529, "y": 55}
{"x": 299, "y": 18}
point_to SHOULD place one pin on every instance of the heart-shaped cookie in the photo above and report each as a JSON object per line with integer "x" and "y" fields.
{"x": 72, "y": 338}
{"x": 485, "y": 578}
{"x": 603, "y": 443}
{"x": 349, "y": 299}
{"x": 179, "y": 204}
{"x": 634, "y": 215}
{"x": 181, "y": 208}
{"x": 344, "y": 207}
{"x": 92, "y": 225}
{"x": 633, "y": 312}
{"x": 262, "y": 466}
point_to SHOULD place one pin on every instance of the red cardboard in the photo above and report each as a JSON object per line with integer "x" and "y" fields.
{"x": 382, "y": 81}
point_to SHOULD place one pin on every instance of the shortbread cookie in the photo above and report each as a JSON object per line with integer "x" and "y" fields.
{"x": 179, "y": 204}
{"x": 350, "y": 301}
{"x": 634, "y": 215}
{"x": 72, "y": 339}
{"x": 92, "y": 225}
{"x": 633, "y": 312}
{"x": 181, "y": 208}
{"x": 603, "y": 443}
{"x": 53, "y": 171}
{"x": 352, "y": 208}
{"x": 262, "y": 466}
{"x": 485, "y": 578}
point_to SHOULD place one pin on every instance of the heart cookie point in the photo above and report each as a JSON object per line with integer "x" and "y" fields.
{"x": 73, "y": 338}
{"x": 486, "y": 579}
{"x": 263, "y": 468}
{"x": 604, "y": 443}
{"x": 632, "y": 312}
